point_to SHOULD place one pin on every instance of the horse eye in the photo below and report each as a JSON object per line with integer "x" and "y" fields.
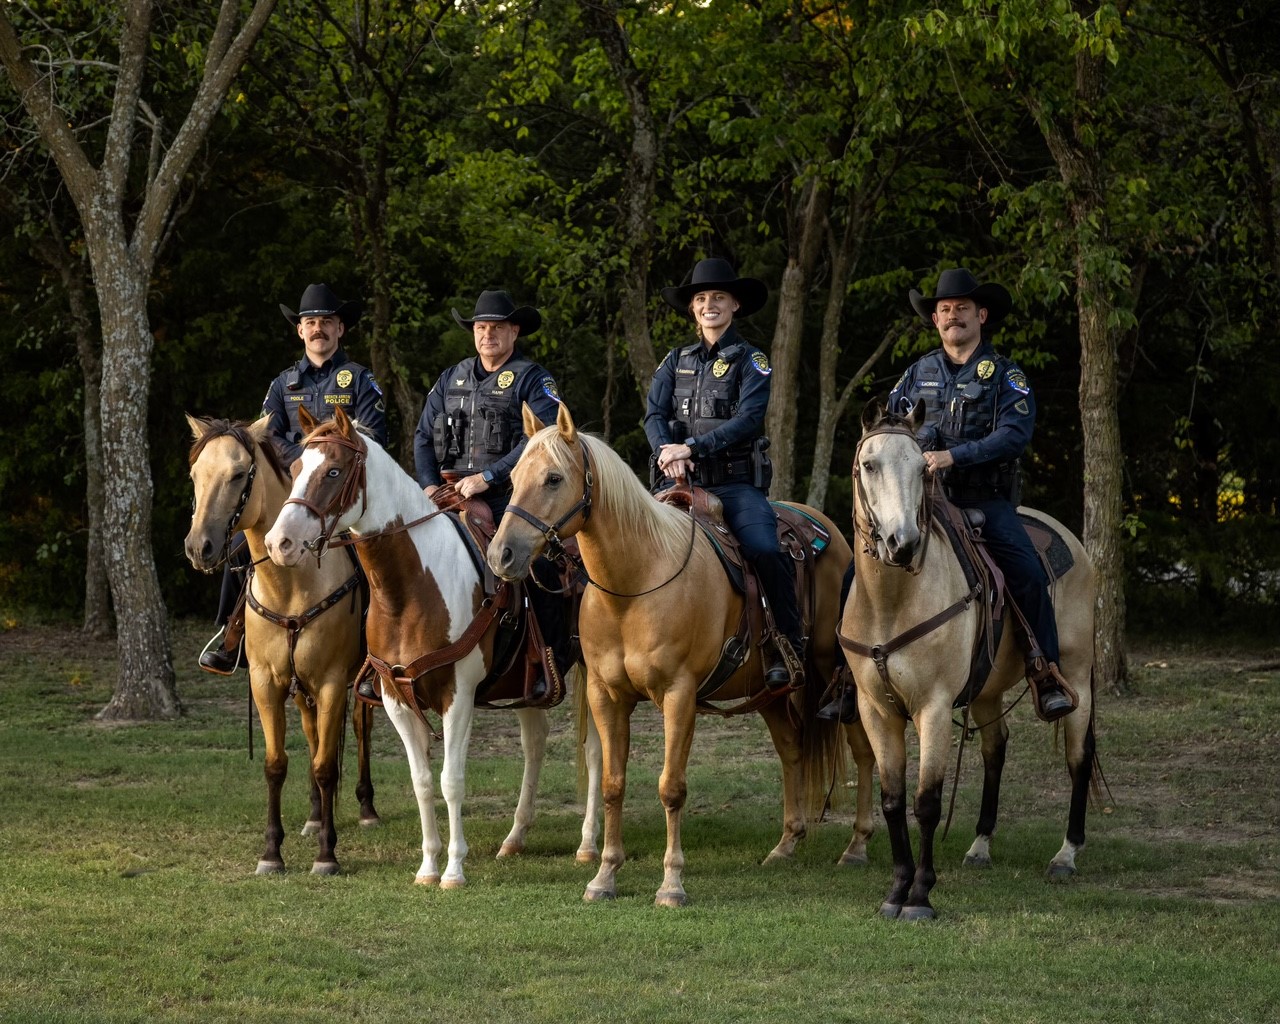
{"x": 554, "y": 480}
{"x": 334, "y": 472}
{"x": 868, "y": 467}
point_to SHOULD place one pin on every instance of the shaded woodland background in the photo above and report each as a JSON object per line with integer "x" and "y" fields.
{"x": 1116, "y": 165}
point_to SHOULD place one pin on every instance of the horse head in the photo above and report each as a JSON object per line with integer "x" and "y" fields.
{"x": 329, "y": 489}
{"x": 551, "y": 495}
{"x": 890, "y": 511}
{"x": 224, "y": 464}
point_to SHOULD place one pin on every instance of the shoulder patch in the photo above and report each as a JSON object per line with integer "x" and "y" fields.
{"x": 549, "y": 388}
{"x": 373, "y": 382}
{"x": 1021, "y": 406}
{"x": 1017, "y": 380}
{"x": 761, "y": 362}
{"x": 901, "y": 380}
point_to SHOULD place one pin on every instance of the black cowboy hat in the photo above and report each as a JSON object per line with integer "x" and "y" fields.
{"x": 958, "y": 283}
{"x": 319, "y": 300}
{"x": 497, "y": 305}
{"x": 718, "y": 275}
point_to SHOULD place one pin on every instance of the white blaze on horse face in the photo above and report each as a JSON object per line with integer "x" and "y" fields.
{"x": 296, "y": 525}
{"x": 893, "y": 480}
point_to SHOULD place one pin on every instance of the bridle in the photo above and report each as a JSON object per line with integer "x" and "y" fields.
{"x": 869, "y": 533}
{"x": 555, "y": 547}
{"x": 234, "y": 520}
{"x": 344, "y": 498}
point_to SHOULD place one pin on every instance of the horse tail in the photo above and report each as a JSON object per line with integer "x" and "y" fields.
{"x": 821, "y": 752}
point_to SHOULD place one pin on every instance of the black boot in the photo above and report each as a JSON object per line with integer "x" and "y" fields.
{"x": 220, "y": 660}
{"x": 777, "y": 575}
{"x": 1054, "y": 696}
{"x": 844, "y": 707}
{"x": 365, "y": 691}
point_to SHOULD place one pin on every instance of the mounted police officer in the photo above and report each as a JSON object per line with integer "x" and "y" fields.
{"x": 705, "y": 424}
{"x": 472, "y": 430}
{"x": 323, "y": 379}
{"x": 979, "y": 417}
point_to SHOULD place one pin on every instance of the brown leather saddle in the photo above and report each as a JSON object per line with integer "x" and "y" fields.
{"x": 522, "y": 658}
{"x": 964, "y": 529}
{"x": 800, "y": 536}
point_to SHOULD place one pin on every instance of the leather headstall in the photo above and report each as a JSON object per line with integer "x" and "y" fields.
{"x": 869, "y": 533}
{"x": 355, "y": 483}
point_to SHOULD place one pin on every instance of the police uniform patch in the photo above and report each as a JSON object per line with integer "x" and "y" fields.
{"x": 337, "y": 399}
{"x": 720, "y": 368}
{"x": 901, "y": 380}
{"x": 985, "y": 369}
{"x": 761, "y": 362}
{"x": 1017, "y": 380}
{"x": 505, "y": 379}
{"x": 1021, "y": 406}
{"x": 343, "y": 379}
{"x": 373, "y": 383}
{"x": 549, "y": 388}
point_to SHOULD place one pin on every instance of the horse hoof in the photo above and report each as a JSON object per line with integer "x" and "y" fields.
{"x": 925, "y": 913}
{"x": 510, "y": 850}
{"x": 270, "y": 867}
{"x": 453, "y": 883}
{"x": 853, "y": 860}
{"x": 329, "y": 867}
{"x": 311, "y": 828}
{"x": 890, "y": 911}
{"x": 370, "y": 822}
{"x": 427, "y": 880}
{"x": 599, "y": 895}
{"x": 974, "y": 860}
{"x": 587, "y": 857}
{"x": 671, "y": 899}
{"x": 1060, "y": 872}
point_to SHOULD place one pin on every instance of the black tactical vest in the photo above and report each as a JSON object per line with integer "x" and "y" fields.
{"x": 482, "y": 419}
{"x": 705, "y": 395}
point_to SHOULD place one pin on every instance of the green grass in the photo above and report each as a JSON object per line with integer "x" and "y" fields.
{"x": 127, "y": 890}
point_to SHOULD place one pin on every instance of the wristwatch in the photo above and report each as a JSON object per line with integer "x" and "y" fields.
{"x": 487, "y": 477}
{"x": 692, "y": 443}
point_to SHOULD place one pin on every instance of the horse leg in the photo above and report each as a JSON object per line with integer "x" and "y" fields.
{"x": 416, "y": 738}
{"x": 678, "y": 718}
{"x": 534, "y": 729}
{"x": 613, "y": 719}
{"x": 888, "y": 739}
{"x": 995, "y": 741}
{"x": 934, "y": 727}
{"x": 275, "y": 766}
{"x": 588, "y": 851}
{"x": 786, "y": 741}
{"x": 330, "y": 721}
{"x": 362, "y": 725}
{"x": 864, "y": 826}
{"x": 1081, "y": 753}
{"x": 312, "y": 825}
{"x": 453, "y": 780}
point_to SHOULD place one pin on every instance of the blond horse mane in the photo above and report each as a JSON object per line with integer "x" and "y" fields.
{"x": 647, "y": 523}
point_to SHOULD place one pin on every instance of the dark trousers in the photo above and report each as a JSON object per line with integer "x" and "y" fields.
{"x": 238, "y": 557}
{"x": 751, "y": 519}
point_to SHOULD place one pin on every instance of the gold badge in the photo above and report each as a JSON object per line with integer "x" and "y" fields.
{"x": 720, "y": 369}
{"x": 985, "y": 369}
{"x": 344, "y": 378}
{"x": 505, "y": 379}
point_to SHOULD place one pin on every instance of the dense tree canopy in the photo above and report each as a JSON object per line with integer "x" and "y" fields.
{"x": 1116, "y": 165}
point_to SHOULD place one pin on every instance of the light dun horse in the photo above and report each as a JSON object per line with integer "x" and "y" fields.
{"x": 904, "y": 577}
{"x": 652, "y": 627}
{"x": 241, "y": 485}
{"x": 425, "y": 591}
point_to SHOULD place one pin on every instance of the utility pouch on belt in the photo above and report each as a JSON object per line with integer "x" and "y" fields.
{"x": 761, "y": 465}
{"x": 444, "y": 436}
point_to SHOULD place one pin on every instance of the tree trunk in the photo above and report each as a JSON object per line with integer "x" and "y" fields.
{"x": 145, "y": 680}
{"x": 784, "y": 353}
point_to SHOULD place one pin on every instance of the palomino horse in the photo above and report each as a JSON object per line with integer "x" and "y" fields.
{"x": 426, "y": 596}
{"x": 913, "y": 608}
{"x": 240, "y": 484}
{"x": 652, "y": 627}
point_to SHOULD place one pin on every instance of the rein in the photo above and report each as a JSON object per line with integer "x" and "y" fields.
{"x": 870, "y": 534}
{"x": 345, "y": 498}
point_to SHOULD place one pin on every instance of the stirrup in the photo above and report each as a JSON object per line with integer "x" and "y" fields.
{"x": 1043, "y": 672}
{"x": 791, "y": 661}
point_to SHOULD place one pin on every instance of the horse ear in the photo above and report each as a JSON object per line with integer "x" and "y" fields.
{"x": 564, "y": 423}
{"x": 916, "y": 417}
{"x": 258, "y": 428}
{"x": 198, "y": 426}
{"x": 531, "y": 422}
{"x": 872, "y": 413}
{"x": 343, "y": 421}
{"x": 306, "y": 421}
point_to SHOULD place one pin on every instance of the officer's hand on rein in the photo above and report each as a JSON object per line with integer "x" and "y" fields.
{"x": 936, "y": 462}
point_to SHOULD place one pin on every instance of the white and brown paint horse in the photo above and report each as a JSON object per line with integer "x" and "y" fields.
{"x": 425, "y": 591}
{"x": 302, "y": 626}
{"x": 908, "y": 577}
{"x": 652, "y": 627}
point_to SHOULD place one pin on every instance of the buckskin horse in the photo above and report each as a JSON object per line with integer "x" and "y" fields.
{"x": 430, "y": 623}
{"x": 912, "y": 631}
{"x": 240, "y": 484}
{"x": 653, "y": 625}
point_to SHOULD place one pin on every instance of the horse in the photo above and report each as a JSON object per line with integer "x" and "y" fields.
{"x": 427, "y": 604}
{"x": 241, "y": 484}
{"x": 652, "y": 627}
{"x": 911, "y": 630}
